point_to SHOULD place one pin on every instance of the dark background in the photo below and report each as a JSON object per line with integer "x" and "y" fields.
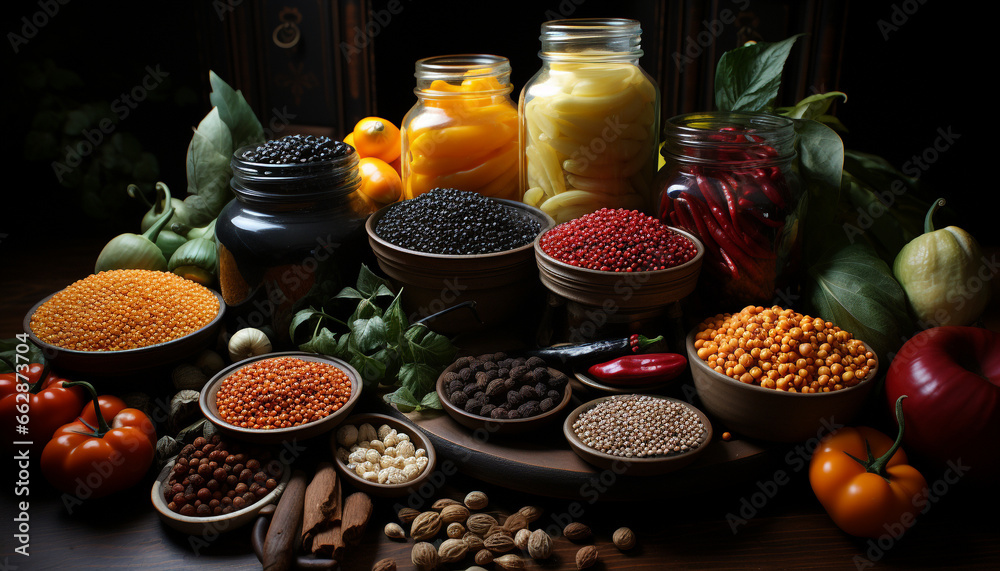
{"x": 932, "y": 73}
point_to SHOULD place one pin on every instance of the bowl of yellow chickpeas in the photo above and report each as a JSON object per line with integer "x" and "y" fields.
{"x": 773, "y": 374}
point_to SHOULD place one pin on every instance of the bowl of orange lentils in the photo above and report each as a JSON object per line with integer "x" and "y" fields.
{"x": 774, "y": 374}
{"x": 119, "y": 322}
{"x": 281, "y": 396}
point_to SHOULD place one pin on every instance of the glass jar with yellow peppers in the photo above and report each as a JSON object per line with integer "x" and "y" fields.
{"x": 462, "y": 132}
{"x": 589, "y": 121}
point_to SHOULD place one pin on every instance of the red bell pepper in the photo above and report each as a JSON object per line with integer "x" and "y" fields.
{"x": 952, "y": 377}
{"x": 94, "y": 461}
{"x": 32, "y": 393}
{"x": 636, "y": 370}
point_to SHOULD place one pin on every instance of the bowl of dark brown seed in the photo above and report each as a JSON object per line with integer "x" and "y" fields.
{"x": 640, "y": 435}
{"x": 503, "y": 394}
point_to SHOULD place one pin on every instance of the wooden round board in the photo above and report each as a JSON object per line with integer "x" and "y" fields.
{"x": 542, "y": 462}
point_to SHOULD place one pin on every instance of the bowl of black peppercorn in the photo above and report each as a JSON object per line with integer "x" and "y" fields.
{"x": 448, "y": 246}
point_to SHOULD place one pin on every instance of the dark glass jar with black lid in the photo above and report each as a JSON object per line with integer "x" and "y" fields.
{"x": 291, "y": 230}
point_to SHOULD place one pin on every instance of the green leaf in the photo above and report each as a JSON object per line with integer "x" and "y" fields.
{"x": 300, "y": 317}
{"x": 234, "y": 111}
{"x": 431, "y": 400}
{"x": 208, "y": 170}
{"x": 426, "y": 346}
{"x": 325, "y": 342}
{"x": 372, "y": 285}
{"x": 812, "y": 107}
{"x": 820, "y": 153}
{"x": 395, "y": 320}
{"x": 350, "y": 293}
{"x": 403, "y": 400}
{"x": 857, "y": 292}
{"x": 366, "y": 309}
{"x": 371, "y": 370}
{"x": 419, "y": 378}
{"x": 747, "y": 78}
{"x": 369, "y": 334}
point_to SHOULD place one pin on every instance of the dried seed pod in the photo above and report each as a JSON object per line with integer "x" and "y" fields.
{"x": 499, "y": 543}
{"x": 577, "y": 532}
{"x": 509, "y": 562}
{"x": 497, "y": 530}
{"x": 387, "y": 564}
{"x": 407, "y": 515}
{"x": 539, "y": 544}
{"x": 586, "y": 557}
{"x": 521, "y": 539}
{"x": 474, "y": 541}
{"x": 439, "y": 505}
{"x": 452, "y": 550}
{"x": 476, "y": 500}
{"x": 454, "y": 513}
{"x": 623, "y": 538}
{"x": 480, "y": 523}
{"x": 424, "y": 557}
{"x": 515, "y": 522}
{"x": 425, "y": 526}
{"x": 530, "y": 513}
{"x": 455, "y": 530}
{"x": 394, "y": 531}
{"x": 484, "y": 557}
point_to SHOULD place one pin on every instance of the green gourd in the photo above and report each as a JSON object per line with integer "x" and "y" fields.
{"x": 196, "y": 260}
{"x": 939, "y": 270}
{"x": 135, "y": 251}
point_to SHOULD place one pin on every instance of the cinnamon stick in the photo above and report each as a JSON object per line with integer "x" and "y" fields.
{"x": 357, "y": 512}
{"x": 278, "y": 552}
{"x": 321, "y": 499}
{"x": 328, "y": 541}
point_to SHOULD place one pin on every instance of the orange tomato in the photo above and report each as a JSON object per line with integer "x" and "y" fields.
{"x": 398, "y": 165}
{"x": 379, "y": 181}
{"x": 377, "y": 137}
{"x": 349, "y": 139}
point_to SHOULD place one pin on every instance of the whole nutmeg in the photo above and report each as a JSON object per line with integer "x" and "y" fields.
{"x": 455, "y": 530}
{"x": 452, "y": 550}
{"x": 423, "y": 556}
{"x": 407, "y": 515}
{"x": 586, "y": 557}
{"x": 530, "y": 513}
{"x": 484, "y": 557}
{"x": 539, "y": 545}
{"x": 394, "y": 531}
{"x": 499, "y": 543}
{"x": 623, "y": 538}
{"x": 476, "y": 500}
{"x": 474, "y": 542}
{"x": 577, "y": 531}
{"x": 480, "y": 523}
{"x": 387, "y": 564}
{"x": 515, "y": 522}
{"x": 425, "y": 526}
{"x": 510, "y": 561}
{"x": 439, "y": 505}
{"x": 521, "y": 539}
{"x": 454, "y": 513}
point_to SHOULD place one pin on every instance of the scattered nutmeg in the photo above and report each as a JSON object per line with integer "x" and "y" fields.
{"x": 539, "y": 545}
{"x": 484, "y": 557}
{"x": 623, "y": 538}
{"x": 530, "y": 513}
{"x": 425, "y": 526}
{"x": 394, "y": 531}
{"x": 423, "y": 556}
{"x": 454, "y": 513}
{"x": 455, "y": 530}
{"x": 387, "y": 564}
{"x": 521, "y": 539}
{"x": 476, "y": 500}
{"x": 443, "y": 503}
{"x": 407, "y": 515}
{"x": 509, "y": 562}
{"x": 586, "y": 557}
{"x": 452, "y": 550}
{"x": 577, "y": 532}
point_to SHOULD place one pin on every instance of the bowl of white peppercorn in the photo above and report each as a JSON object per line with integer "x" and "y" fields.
{"x": 382, "y": 455}
{"x": 639, "y": 435}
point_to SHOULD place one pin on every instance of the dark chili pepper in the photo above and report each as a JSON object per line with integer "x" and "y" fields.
{"x": 633, "y": 370}
{"x": 764, "y": 181}
{"x": 712, "y": 200}
{"x": 721, "y": 237}
{"x": 772, "y": 222}
{"x": 727, "y": 184}
{"x": 593, "y": 351}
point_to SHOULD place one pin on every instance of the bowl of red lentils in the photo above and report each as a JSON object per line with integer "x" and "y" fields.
{"x": 774, "y": 374}
{"x": 280, "y": 396}
{"x": 618, "y": 258}
{"x": 119, "y": 322}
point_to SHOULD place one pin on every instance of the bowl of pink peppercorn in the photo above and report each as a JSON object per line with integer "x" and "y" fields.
{"x": 620, "y": 260}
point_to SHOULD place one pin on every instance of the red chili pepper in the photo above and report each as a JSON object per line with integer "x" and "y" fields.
{"x": 639, "y": 369}
{"x": 769, "y": 190}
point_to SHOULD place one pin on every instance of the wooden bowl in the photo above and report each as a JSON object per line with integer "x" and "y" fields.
{"x": 633, "y": 292}
{"x": 213, "y": 525}
{"x": 419, "y": 440}
{"x": 499, "y": 282}
{"x": 770, "y": 414}
{"x": 128, "y": 361}
{"x": 634, "y": 466}
{"x": 501, "y": 426}
{"x": 300, "y": 432}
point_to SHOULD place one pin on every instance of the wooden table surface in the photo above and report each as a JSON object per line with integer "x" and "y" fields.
{"x": 767, "y": 519}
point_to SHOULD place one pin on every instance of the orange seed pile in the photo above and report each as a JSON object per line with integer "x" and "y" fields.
{"x": 780, "y": 349}
{"x": 124, "y": 309}
{"x": 281, "y": 392}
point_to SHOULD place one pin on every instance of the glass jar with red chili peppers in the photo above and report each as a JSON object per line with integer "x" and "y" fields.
{"x": 730, "y": 179}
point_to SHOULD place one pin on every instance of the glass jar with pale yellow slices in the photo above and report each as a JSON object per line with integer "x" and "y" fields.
{"x": 462, "y": 132}
{"x": 588, "y": 121}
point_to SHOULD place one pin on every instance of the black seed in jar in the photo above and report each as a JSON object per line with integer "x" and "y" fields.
{"x": 297, "y": 149}
{"x": 454, "y": 222}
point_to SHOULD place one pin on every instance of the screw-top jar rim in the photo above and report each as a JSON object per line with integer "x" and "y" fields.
{"x": 684, "y": 136}
{"x": 591, "y": 39}
{"x": 291, "y": 183}
{"x": 456, "y": 68}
